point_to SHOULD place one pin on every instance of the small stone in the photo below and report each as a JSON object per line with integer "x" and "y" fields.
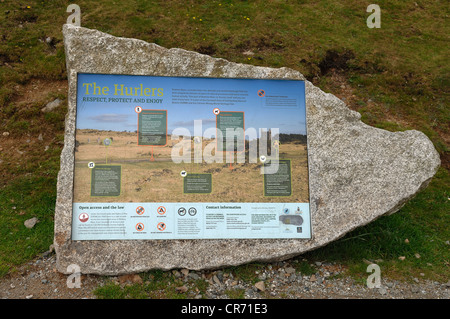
{"x": 318, "y": 263}
{"x": 40, "y": 138}
{"x": 417, "y": 255}
{"x": 382, "y": 291}
{"x": 401, "y": 258}
{"x": 313, "y": 278}
{"x": 290, "y": 270}
{"x": 29, "y": 297}
{"x": 130, "y": 278}
{"x": 181, "y": 289}
{"x": 379, "y": 261}
{"x": 406, "y": 241}
{"x": 29, "y": 223}
{"x": 194, "y": 276}
{"x": 5, "y": 133}
{"x": 136, "y": 279}
{"x": 260, "y": 286}
{"x": 51, "y": 106}
{"x": 216, "y": 280}
{"x": 185, "y": 272}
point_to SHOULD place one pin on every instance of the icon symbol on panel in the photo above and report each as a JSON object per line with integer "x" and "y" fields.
{"x": 192, "y": 211}
{"x": 181, "y": 211}
{"x": 139, "y": 227}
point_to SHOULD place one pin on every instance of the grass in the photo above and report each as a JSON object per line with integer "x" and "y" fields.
{"x": 36, "y": 198}
{"x": 397, "y": 77}
{"x": 157, "y": 284}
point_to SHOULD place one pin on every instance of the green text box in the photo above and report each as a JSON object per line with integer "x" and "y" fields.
{"x": 197, "y": 184}
{"x": 152, "y": 127}
{"x": 279, "y": 183}
{"x": 106, "y": 180}
{"x": 233, "y": 122}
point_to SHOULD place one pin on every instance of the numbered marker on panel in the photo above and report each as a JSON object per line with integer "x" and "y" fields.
{"x": 138, "y": 109}
{"x": 107, "y": 142}
{"x": 197, "y": 139}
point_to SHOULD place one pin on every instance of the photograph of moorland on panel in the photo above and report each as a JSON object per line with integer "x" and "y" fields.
{"x": 155, "y": 139}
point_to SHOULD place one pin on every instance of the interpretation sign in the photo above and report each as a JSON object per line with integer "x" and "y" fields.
{"x": 162, "y": 158}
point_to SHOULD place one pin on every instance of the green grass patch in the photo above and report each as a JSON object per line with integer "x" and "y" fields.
{"x": 157, "y": 284}
{"x": 20, "y": 200}
{"x": 305, "y": 268}
{"x": 248, "y": 273}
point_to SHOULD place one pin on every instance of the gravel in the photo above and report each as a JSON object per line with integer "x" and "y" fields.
{"x": 40, "y": 280}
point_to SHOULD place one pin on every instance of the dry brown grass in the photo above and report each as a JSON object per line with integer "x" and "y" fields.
{"x": 144, "y": 180}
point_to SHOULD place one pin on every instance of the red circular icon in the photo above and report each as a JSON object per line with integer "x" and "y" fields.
{"x": 140, "y": 210}
{"x": 261, "y": 93}
{"x": 139, "y": 227}
{"x": 83, "y": 217}
{"x": 161, "y": 210}
{"x": 138, "y": 109}
{"x": 161, "y": 226}
{"x": 216, "y": 111}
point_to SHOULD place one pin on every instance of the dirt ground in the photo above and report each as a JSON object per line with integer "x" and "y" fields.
{"x": 38, "y": 279}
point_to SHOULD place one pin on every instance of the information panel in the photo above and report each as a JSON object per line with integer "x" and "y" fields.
{"x": 162, "y": 158}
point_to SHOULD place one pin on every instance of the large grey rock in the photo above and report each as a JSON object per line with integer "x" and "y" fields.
{"x": 357, "y": 172}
